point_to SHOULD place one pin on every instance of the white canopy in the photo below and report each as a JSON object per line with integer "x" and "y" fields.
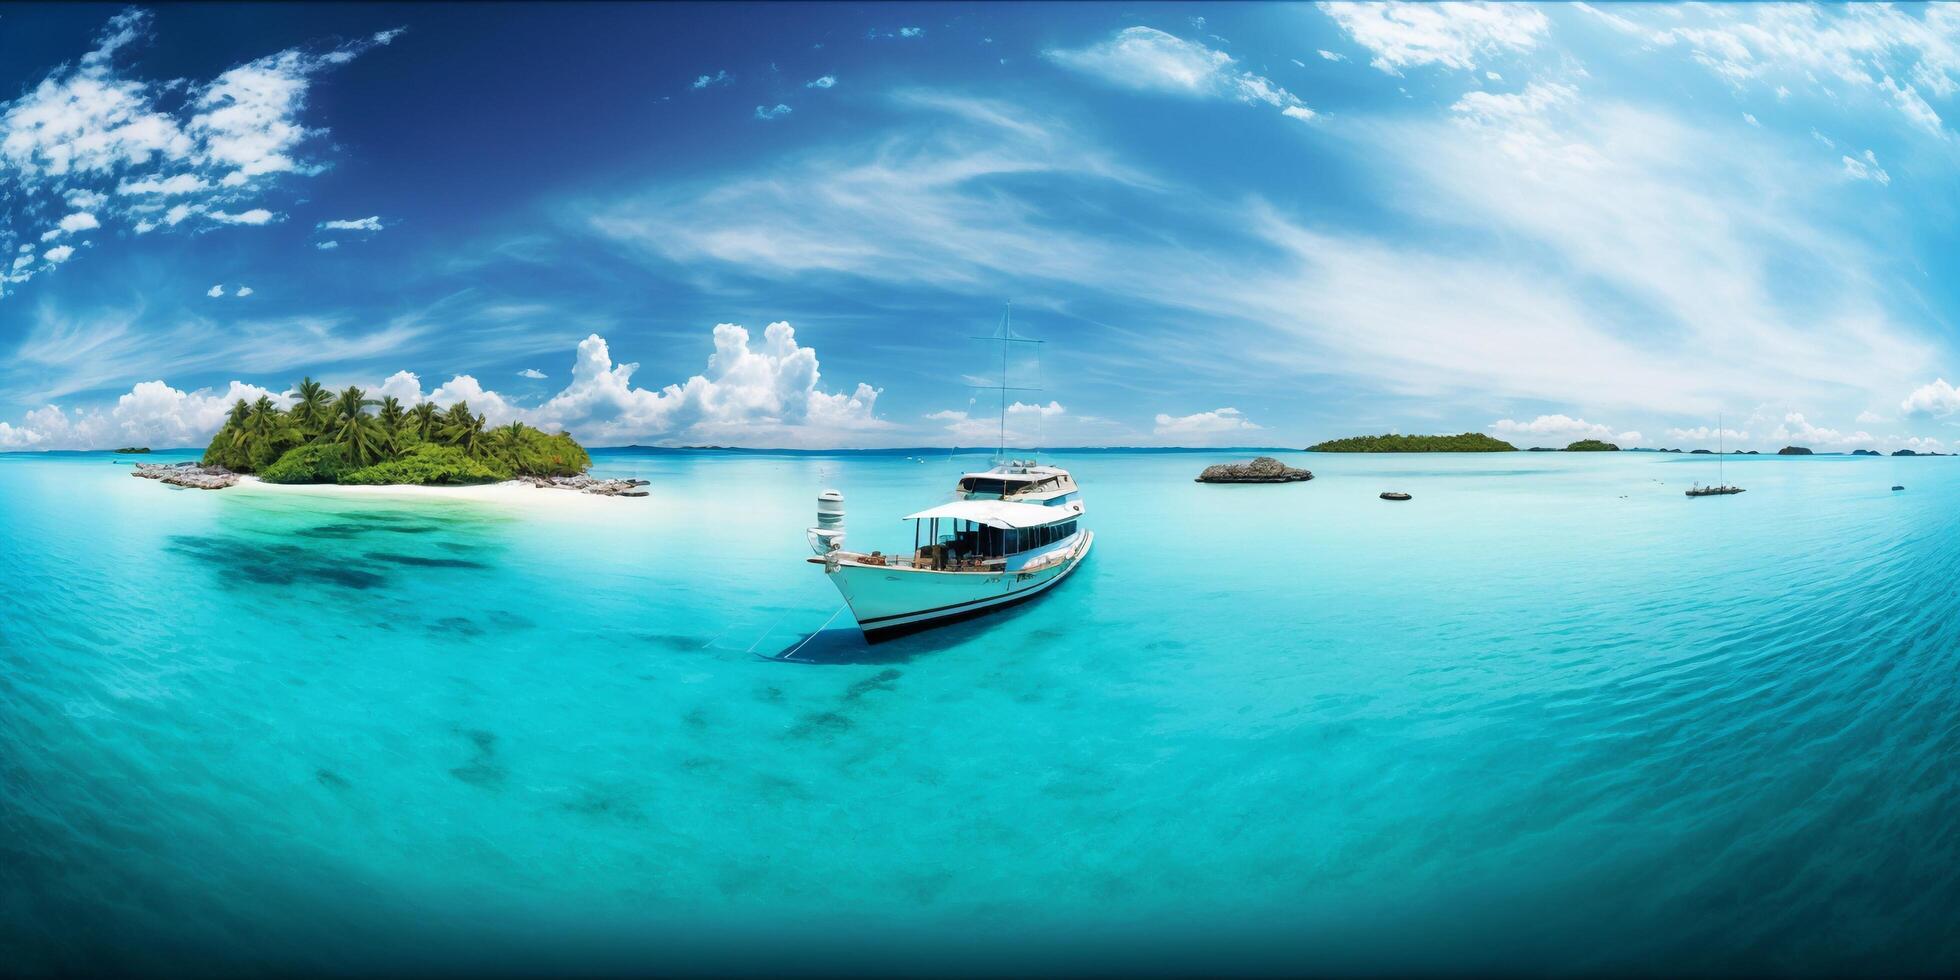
{"x": 997, "y": 513}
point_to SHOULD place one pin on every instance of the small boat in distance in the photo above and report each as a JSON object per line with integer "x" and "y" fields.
{"x": 1394, "y": 495}
{"x": 1012, "y": 532}
{"x": 1721, "y": 487}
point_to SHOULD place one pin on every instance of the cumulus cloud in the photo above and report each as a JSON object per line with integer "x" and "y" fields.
{"x": 59, "y": 253}
{"x": 152, "y": 413}
{"x": 532, "y": 373}
{"x": 1556, "y": 428}
{"x": 718, "y": 78}
{"x": 244, "y": 291}
{"x": 326, "y": 246}
{"x": 1451, "y": 35}
{"x": 1703, "y": 433}
{"x": 766, "y": 112}
{"x": 1937, "y": 399}
{"x": 255, "y": 216}
{"x": 1203, "y": 426}
{"x": 765, "y": 394}
{"x": 215, "y": 291}
{"x": 826, "y": 81}
{"x": 1149, "y": 60}
{"x": 117, "y": 148}
{"x": 911, "y": 32}
{"x": 967, "y": 428}
{"x": 1796, "y": 430}
{"x": 369, "y": 223}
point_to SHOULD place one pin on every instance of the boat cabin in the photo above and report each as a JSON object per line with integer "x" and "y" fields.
{"x": 992, "y": 535}
{"x": 1021, "y": 481}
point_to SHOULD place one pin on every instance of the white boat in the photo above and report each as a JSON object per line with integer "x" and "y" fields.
{"x": 1014, "y": 532}
{"x": 1011, "y": 533}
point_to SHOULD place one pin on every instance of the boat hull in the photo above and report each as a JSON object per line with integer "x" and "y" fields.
{"x": 889, "y": 602}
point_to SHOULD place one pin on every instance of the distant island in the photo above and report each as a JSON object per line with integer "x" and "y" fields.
{"x": 133, "y": 449}
{"x": 1592, "y": 446}
{"x": 1794, "y": 451}
{"x": 1468, "y": 442}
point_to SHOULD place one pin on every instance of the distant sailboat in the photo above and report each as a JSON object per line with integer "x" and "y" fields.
{"x": 1721, "y": 486}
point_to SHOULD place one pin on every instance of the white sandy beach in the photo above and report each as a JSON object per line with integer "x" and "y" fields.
{"x": 509, "y": 493}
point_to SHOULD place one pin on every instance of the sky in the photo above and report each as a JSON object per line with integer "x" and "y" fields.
{"x": 782, "y": 226}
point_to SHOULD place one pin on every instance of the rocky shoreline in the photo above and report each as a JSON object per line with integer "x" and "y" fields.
{"x": 189, "y": 475}
{"x": 1265, "y": 469}
{"x": 587, "y": 484}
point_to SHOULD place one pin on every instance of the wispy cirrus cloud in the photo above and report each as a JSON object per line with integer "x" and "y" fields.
{"x": 1151, "y": 60}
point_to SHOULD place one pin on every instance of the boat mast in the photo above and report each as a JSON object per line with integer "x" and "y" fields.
{"x": 1005, "y": 336}
{"x": 1721, "y": 452}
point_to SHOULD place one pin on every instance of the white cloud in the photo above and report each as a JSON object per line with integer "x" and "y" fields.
{"x": 1869, "y": 417}
{"x": 112, "y": 145}
{"x": 215, "y": 291}
{"x": 326, "y": 246}
{"x": 1867, "y": 47}
{"x": 911, "y": 32}
{"x": 1203, "y": 426}
{"x": 1866, "y": 169}
{"x": 59, "y": 253}
{"x": 1556, "y": 428}
{"x": 255, "y": 216}
{"x": 1452, "y": 35}
{"x": 244, "y": 291}
{"x": 1330, "y": 56}
{"x": 370, "y": 223}
{"x": 1937, "y": 399}
{"x": 1750, "y": 119}
{"x": 826, "y": 81}
{"x": 1795, "y": 430}
{"x": 765, "y": 112}
{"x": 164, "y": 186}
{"x": 78, "y": 221}
{"x": 532, "y": 373}
{"x": 1705, "y": 434}
{"x": 1147, "y": 59}
{"x": 767, "y": 394}
{"x": 718, "y": 78}
{"x": 1629, "y": 439}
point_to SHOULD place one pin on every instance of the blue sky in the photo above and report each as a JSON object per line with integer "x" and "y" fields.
{"x": 778, "y": 225}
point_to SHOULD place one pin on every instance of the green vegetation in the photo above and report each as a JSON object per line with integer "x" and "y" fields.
{"x": 1592, "y": 446}
{"x": 134, "y": 449}
{"x": 427, "y": 464}
{"x": 1468, "y": 442}
{"x": 335, "y": 438}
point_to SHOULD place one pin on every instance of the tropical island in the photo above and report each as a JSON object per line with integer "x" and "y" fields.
{"x": 329, "y": 438}
{"x": 1468, "y": 442}
{"x": 132, "y": 450}
{"x": 1592, "y": 446}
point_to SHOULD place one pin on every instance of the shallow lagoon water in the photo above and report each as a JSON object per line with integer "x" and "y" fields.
{"x": 1549, "y": 715}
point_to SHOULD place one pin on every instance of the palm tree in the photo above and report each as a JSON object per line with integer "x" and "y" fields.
{"x": 509, "y": 438}
{"x": 392, "y": 414}
{"x": 458, "y": 417}
{"x": 352, "y": 427}
{"x": 241, "y": 410}
{"x": 470, "y": 434}
{"x": 311, "y": 411}
{"x": 423, "y": 420}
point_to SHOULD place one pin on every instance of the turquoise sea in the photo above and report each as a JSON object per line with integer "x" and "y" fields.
{"x": 1550, "y": 715}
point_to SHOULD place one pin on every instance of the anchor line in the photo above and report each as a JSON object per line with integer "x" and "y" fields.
{"x": 806, "y": 640}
